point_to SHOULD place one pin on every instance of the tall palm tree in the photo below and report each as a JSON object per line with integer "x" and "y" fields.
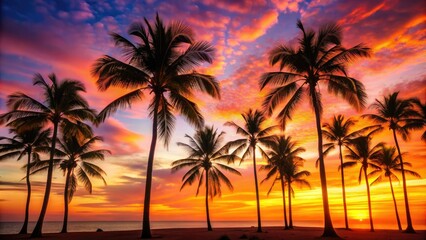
{"x": 338, "y": 134}
{"x": 63, "y": 105}
{"x": 29, "y": 142}
{"x": 292, "y": 174}
{"x": 388, "y": 162}
{"x": 281, "y": 151}
{"x": 205, "y": 157}
{"x": 400, "y": 116}
{"x": 319, "y": 58}
{"x": 161, "y": 63}
{"x": 253, "y": 134}
{"x": 361, "y": 151}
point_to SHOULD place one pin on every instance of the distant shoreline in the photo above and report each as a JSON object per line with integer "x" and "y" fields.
{"x": 231, "y": 233}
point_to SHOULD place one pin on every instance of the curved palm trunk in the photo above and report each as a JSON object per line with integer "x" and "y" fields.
{"x": 369, "y": 200}
{"x": 209, "y": 226}
{"x": 410, "y": 228}
{"x": 289, "y": 204}
{"x": 394, "y": 203}
{"x": 146, "y": 228}
{"x": 328, "y": 224}
{"x": 285, "y": 211}
{"x": 67, "y": 183}
{"x": 37, "y": 232}
{"x": 27, "y": 205}
{"x": 259, "y": 226}
{"x": 343, "y": 188}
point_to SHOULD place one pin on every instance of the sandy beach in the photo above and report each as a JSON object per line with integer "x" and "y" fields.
{"x": 233, "y": 233}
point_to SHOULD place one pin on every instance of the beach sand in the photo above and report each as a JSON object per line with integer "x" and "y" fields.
{"x": 232, "y": 233}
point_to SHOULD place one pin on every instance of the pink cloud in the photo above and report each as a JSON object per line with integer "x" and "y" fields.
{"x": 290, "y": 5}
{"x": 243, "y": 6}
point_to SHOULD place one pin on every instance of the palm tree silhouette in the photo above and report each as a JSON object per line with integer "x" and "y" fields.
{"x": 388, "y": 162}
{"x": 319, "y": 58}
{"x": 161, "y": 63}
{"x": 360, "y": 151}
{"x": 292, "y": 173}
{"x": 205, "y": 157}
{"x": 74, "y": 156}
{"x": 422, "y": 119}
{"x": 62, "y": 106}
{"x": 282, "y": 150}
{"x": 338, "y": 134}
{"x": 28, "y": 142}
{"x": 254, "y": 135}
{"x": 401, "y": 116}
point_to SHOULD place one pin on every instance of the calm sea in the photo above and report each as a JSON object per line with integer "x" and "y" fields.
{"x": 51, "y": 227}
{"x": 91, "y": 226}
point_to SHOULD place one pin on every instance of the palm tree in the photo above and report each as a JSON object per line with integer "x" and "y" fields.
{"x": 337, "y": 133}
{"x": 319, "y": 58}
{"x": 422, "y": 120}
{"x": 62, "y": 106}
{"x": 292, "y": 174}
{"x": 76, "y": 155}
{"x": 360, "y": 151}
{"x": 28, "y": 142}
{"x": 281, "y": 151}
{"x": 205, "y": 155}
{"x": 253, "y": 134}
{"x": 161, "y": 63}
{"x": 388, "y": 162}
{"x": 400, "y": 115}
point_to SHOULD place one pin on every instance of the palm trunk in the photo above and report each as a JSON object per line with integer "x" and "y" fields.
{"x": 146, "y": 228}
{"x": 259, "y": 226}
{"x": 343, "y": 188}
{"x": 410, "y": 228}
{"x": 289, "y": 204}
{"x": 284, "y": 207}
{"x": 66, "y": 192}
{"x": 27, "y": 205}
{"x": 328, "y": 224}
{"x": 37, "y": 232}
{"x": 209, "y": 226}
{"x": 394, "y": 203}
{"x": 369, "y": 200}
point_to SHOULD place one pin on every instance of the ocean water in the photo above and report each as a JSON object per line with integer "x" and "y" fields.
{"x": 91, "y": 226}
{"x": 52, "y": 227}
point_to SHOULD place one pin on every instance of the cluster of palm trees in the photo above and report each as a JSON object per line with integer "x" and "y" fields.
{"x": 55, "y": 127}
{"x": 160, "y": 67}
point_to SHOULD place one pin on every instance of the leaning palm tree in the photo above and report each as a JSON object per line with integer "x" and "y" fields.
{"x": 29, "y": 142}
{"x": 205, "y": 157}
{"x": 293, "y": 175}
{"x": 62, "y": 106}
{"x": 401, "y": 116}
{"x": 388, "y": 162}
{"x": 253, "y": 134}
{"x": 338, "y": 134}
{"x": 361, "y": 151}
{"x": 281, "y": 151}
{"x": 319, "y": 58}
{"x": 161, "y": 63}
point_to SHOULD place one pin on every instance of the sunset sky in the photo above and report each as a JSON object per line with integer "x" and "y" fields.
{"x": 66, "y": 37}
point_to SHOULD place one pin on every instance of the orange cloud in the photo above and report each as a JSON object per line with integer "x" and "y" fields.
{"x": 257, "y": 27}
